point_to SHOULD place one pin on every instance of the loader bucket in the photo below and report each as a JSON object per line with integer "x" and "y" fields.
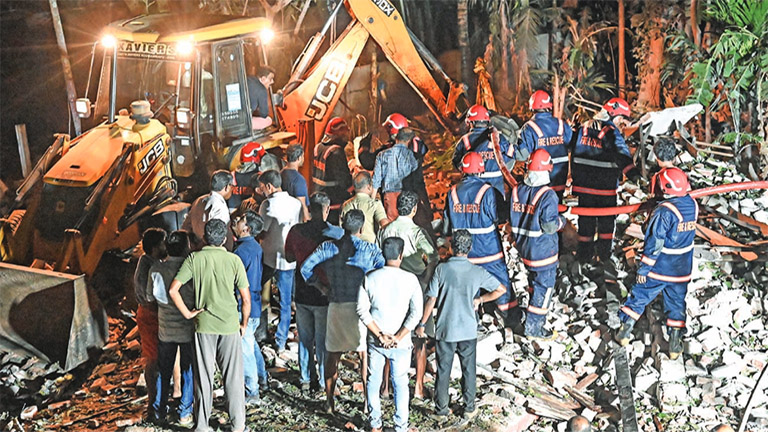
{"x": 51, "y": 315}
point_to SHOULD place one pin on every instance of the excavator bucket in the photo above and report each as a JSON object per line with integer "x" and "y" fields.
{"x": 51, "y": 315}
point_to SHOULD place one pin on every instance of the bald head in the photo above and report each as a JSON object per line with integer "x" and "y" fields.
{"x": 578, "y": 424}
{"x": 722, "y": 428}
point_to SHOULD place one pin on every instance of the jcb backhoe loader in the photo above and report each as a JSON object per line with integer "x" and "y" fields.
{"x": 94, "y": 193}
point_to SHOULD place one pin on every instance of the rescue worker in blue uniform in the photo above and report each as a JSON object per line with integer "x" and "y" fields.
{"x": 330, "y": 173}
{"x": 599, "y": 158}
{"x": 478, "y": 140}
{"x": 667, "y": 260}
{"x": 547, "y": 132}
{"x": 535, "y": 222}
{"x": 471, "y": 205}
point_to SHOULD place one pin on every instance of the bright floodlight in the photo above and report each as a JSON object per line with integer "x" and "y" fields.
{"x": 108, "y": 41}
{"x": 184, "y": 48}
{"x": 266, "y": 35}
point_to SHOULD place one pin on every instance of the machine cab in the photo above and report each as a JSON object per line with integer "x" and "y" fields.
{"x": 192, "y": 68}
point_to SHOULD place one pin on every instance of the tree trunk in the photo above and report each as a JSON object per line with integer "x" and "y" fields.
{"x": 463, "y": 24}
{"x": 695, "y": 34}
{"x": 374, "y": 90}
{"x": 622, "y": 53}
{"x": 68, "y": 79}
{"x": 649, "y": 95}
{"x": 504, "y": 48}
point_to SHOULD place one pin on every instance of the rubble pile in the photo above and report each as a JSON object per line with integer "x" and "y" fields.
{"x": 523, "y": 385}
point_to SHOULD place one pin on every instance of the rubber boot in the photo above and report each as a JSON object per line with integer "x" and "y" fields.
{"x": 624, "y": 334}
{"x": 675, "y": 343}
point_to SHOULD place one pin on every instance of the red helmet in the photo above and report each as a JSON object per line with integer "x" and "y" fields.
{"x": 477, "y": 113}
{"x": 673, "y": 181}
{"x": 616, "y": 107}
{"x": 394, "y": 123}
{"x": 539, "y": 100}
{"x": 336, "y": 126}
{"x": 252, "y": 152}
{"x": 472, "y": 163}
{"x": 540, "y": 160}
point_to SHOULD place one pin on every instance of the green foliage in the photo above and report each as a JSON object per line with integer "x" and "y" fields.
{"x": 735, "y": 69}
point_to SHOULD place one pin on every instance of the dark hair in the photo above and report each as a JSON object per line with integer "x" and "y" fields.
{"x": 318, "y": 202}
{"x": 271, "y": 177}
{"x": 254, "y": 222}
{"x": 294, "y": 152}
{"x": 404, "y": 135}
{"x": 461, "y": 242}
{"x": 152, "y": 238}
{"x": 220, "y": 179}
{"x": 406, "y": 202}
{"x": 362, "y": 180}
{"x": 263, "y": 71}
{"x": 665, "y": 149}
{"x": 353, "y": 221}
{"x": 177, "y": 244}
{"x": 392, "y": 248}
{"x": 253, "y": 182}
{"x": 215, "y": 232}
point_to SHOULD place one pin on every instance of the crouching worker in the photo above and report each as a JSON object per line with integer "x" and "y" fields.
{"x": 667, "y": 260}
{"x": 535, "y": 222}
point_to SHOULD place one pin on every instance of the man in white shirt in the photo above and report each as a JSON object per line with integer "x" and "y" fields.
{"x": 280, "y": 212}
{"x": 390, "y": 304}
{"x": 210, "y": 206}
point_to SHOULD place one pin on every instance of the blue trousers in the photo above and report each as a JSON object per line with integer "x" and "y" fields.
{"x": 541, "y": 286}
{"x": 166, "y": 356}
{"x": 254, "y": 368}
{"x": 507, "y": 303}
{"x": 311, "y": 322}
{"x": 643, "y": 294}
{"x": 399, "y": 360}
{"x": 284, "y": 280}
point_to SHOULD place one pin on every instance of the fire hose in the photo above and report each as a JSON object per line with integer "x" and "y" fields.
{"x": 647, "y": 205}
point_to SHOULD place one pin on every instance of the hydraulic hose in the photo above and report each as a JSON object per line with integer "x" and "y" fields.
{"x": 648, "y": 205}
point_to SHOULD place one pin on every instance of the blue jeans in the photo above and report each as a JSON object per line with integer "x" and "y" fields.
{"x": 166, "y": 356}
{"x": 284, "y": 280}
{"x": 311, "y": 321}
{"x": 253, "y": 361}
{"x": 399, "y": 362}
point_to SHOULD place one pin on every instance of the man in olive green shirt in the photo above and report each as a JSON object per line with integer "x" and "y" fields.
{"x": 419, "y": 258}
{"x": 373, "y": 209}
{"x": 215, "y": 273}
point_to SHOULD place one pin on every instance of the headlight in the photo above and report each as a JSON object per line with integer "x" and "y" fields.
{"x": 83, "y": 107}
{"x": 108, "y": 41}
{"x": 183, "y": 118}
{"x": 185, "y": 48}
{"x": 266, "y": 35}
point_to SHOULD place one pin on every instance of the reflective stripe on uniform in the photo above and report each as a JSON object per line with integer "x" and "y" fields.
{"x": 560, "y": 128}
{"x": 527, "y": 233}
{"x": 648, "y": 261}
{"x": 603, "y": 131}
{"x": 627, "y": 168}
{"x": 539, "y": 195}
{"x": 605, "y": 236}
{"x": 541, "y": 262}
{"x": 558, "y": 188}
{"x": 481, "y": 192}
{"x": 594, "y": 163}
{"x": 675, "y": 323}
{"x": 537, "y": 310}
{"x": 486, "y": 259}
{"x": 586, "y": 239}
{"x": 560, "y": 159}
{"x": 674, "y": 279}
{"x": 632, "y": 314}
{"x": 590, "y": 191}
{"x": 324, "y": 183}
{"x": 508, "y": 306}
{"x": 536, "y": 128}
{"x": 677, "y": 251}
{"x": 490, "y": 174}
{"x": 485, "y": 230}
{"x": 465, "y": 140}
{"x": 674, "y": 210}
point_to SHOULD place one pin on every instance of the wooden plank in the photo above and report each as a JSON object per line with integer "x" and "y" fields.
{"x": 584, "y": 399}
{"x": 739, "y": 219}
{"x": 717, "y": 239}
{"x": 542, "y": 408}
{"x": 586, "y": 381}
{"x": 624, "y": 386}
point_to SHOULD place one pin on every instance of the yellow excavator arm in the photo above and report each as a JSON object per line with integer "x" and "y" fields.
{"x": 313, "y": 91}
